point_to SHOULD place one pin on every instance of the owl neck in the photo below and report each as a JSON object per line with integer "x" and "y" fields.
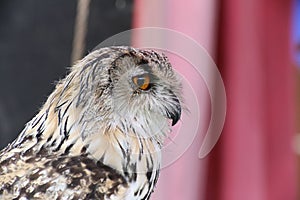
{"x": 57, "y": 130}
{"x": 125, "y": 153}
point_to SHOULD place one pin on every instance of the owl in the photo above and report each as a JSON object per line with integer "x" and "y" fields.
{"x": 100, "y": 133}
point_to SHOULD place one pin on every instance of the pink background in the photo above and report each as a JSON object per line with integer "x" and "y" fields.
{"x": 249, "y": 41}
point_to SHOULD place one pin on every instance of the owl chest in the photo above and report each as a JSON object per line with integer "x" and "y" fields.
{"x": 142, "y": 187}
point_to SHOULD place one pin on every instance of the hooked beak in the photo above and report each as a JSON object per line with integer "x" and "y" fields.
{"x": 175, "y": 113}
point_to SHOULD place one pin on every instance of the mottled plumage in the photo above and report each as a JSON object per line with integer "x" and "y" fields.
{"x": 100, "y": 132}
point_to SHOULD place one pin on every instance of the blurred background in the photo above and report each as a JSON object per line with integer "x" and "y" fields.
{"x": 255, "y": 44}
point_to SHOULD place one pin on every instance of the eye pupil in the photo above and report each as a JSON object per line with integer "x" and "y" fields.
{"x": 142, "y": 81}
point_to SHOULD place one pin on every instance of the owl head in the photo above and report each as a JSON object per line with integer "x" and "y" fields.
{"x": 135, "y": 91}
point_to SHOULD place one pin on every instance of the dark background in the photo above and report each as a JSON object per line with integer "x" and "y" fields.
{"x": 35, "y": 49}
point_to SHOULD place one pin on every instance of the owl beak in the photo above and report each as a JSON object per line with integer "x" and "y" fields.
{"x": 175, "y": 114}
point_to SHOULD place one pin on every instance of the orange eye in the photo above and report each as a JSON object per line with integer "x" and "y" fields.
{"x": 142, "y": 81}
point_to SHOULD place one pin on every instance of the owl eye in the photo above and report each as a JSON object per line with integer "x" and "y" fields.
{"x": 142, "y": 81}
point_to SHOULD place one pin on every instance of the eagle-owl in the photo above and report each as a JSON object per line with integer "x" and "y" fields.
{"x": 100, "y": 132}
